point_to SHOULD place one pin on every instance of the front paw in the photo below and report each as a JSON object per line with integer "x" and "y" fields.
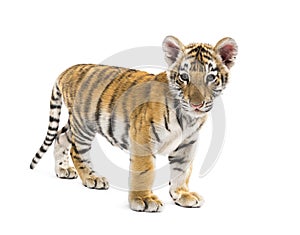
{"x": 189, "y": 199}
{"x": 148, "y": 203}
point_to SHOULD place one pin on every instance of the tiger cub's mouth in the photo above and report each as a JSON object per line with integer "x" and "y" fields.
{"x": 204, "y": 106}
{"x": 197, "y": 107}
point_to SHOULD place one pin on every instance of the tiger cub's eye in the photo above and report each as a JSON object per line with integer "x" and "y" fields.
{"x": 210, "y": 77}
{"x": 184, "y": 77}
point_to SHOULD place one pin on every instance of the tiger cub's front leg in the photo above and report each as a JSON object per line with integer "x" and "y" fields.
{"x": 142, "y": 170}
{"x": 141, "y": 197}
{"x": 181, "y": 161}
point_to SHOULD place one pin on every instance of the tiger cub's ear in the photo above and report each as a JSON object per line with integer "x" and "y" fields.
{"x": 172, "y": 48}
{"x": 227, "y": 49}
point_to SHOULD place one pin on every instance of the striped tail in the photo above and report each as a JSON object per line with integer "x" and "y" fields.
{"x": 55, "y": 108}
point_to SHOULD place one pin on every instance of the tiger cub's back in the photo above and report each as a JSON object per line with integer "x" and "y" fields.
{"x": 105, "y": 98}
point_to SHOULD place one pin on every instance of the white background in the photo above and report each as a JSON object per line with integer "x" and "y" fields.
{"x": 254, "y": 187}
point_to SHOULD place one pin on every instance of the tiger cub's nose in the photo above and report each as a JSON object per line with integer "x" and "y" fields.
{"x": 197, "y": 106}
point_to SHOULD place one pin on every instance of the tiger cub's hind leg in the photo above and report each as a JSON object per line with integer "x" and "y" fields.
{"x": 85, "y": 170}
{"x": 80, "y": 149}
{"x": 62, "y": 146}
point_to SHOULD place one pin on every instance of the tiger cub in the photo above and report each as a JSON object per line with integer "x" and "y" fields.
{"x": 143, "y": 113}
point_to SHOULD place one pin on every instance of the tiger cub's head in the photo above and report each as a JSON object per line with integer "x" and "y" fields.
{"x": 198, "y": 72}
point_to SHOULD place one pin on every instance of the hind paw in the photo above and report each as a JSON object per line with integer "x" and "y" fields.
{"x": 66, "y": 173}
{"x": 96, "y": 182}
{"x": 189, "y": 199}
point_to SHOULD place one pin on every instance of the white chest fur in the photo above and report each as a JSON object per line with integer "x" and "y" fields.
{"x": 186, "y": 128}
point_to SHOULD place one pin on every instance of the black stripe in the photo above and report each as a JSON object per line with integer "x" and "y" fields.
{"x": 154, "y": 131}
{"x": 54, "y": 135}
{"x": 213, "y": 69}
{"x": 75, "y": 150}
{"x": 53, "y": 119}
{"x": 144, "y": 106}
{"x": 54, "y": 106}
{"x": 80, "y": 74}
{"x": 83, "y": 151}
{"x": 193, "y": 122}
{"x": 64, "y": 129}
{"x": 173, "y": 76}
{"x": 56, "y": 92}
{"x": 90, "y": 86}
{"x": 98, "y": 76}
{"x": 185, "y": 145}
{"x": 178, "y": 169}
{"x": 111, "y": 127}
{"x": 57, "y": 139}
{"x": 191, "y": 135}
{"x": 175, "y": 159}
{"x": 190, "y": 57}
{"x": 167, "y": 109}
{"x": 79, "y": 159}
{"x": 123, "y": 146}
{"x": 179, "y": 82}
{"x": 42, "y": 149}
{"x": 54, "y": 98}
{"x": 68, "y": 138}
{"x": 80, "y": 139}
{"x": 80, "y": 124}
{"x": 188, "y": 120}
{"x": 80, "y": 142}
{"x": 166, "y": 123}
{"x": 179, "y": 120}
{"x": 222, "y": 78}
{"x": 208, "y": 57}
{"x": 127, "y": 74}
{"x": 77, "y": 130}
{"x": 202, "y": 52}
{"x": 203, "y": 49}
{"x": 52, "y": 128}
{"x": 178, "y": 114}
{"x": 34, "y": 161}
{"x": 98, "y": 110}
{"x": 145, "y": 171}
{"x": 125, "y": 136}
{"x": 95, "y": 184}
{"x": 194, "y": 50}
{"x": 198, "y": 53}
{"x": 47, "y": 143}
{"x": 38, "y": 156}
{"x": 49, "y": 139}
